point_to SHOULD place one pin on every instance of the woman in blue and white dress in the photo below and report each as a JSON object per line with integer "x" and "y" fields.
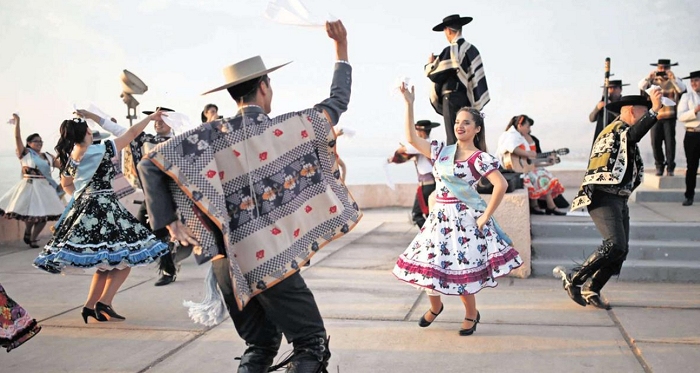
{"x": 96, "y": 231}
{"x": 34, "y": 199}
{"x": 460, "y": 249}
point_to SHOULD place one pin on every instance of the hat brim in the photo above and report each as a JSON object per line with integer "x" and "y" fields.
{"x": 618, "y": 105}
{"x": 615, "y": 85}
{"x": 163, "y": 109}
{"x": 100, "y": 136}
{"x": 427, "y": 127}
{"x": 460, "y": 22}
{"x": 670, "y": 64}
{"x": 691, "y": 77}
{"x": 245, "y": 78}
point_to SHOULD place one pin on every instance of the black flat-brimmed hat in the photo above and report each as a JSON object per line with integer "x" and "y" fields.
{"x": 694, "y": 74}
{"x": 615, "y": 83}
{"x": 452, "y": 20}
{"x": 426, "y": 125}
{"x": 633, "y": 100}
{"x": 663, "y": 62}
{"x": 149, "y": 112}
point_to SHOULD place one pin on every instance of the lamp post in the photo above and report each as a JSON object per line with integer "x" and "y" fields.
{"x": 131, "y": 85}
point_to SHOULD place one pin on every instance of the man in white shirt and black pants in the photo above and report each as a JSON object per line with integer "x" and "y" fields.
{"x": 688, "y": 109}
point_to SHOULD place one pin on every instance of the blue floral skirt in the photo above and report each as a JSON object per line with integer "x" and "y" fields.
{"x": 100, "y": 232}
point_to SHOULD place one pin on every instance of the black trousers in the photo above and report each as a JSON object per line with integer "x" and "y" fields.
{"x": 663, "y": 136}
{"x": 451, "y": 103}
{"x": 417, "y": 213}
{"x": 610, "y": 214}
{"x": 142, "y": 217}
{"x": 691, "y": 145}
{"x": 288, "y": 307}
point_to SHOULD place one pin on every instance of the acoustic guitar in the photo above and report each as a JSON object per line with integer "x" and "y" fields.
{"x": 523, "y": 164}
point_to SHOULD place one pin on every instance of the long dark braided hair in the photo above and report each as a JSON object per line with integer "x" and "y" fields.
{"x": 477, "y": 117}
{"x": 73, "y": 132}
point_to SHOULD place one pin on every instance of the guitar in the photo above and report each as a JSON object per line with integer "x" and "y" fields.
{"x": 523, "y": 164}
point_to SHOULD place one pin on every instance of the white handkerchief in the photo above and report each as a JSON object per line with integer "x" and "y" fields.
{"x": 664, "y": 100}
{"x": 11, "y": 121}
{"x": 387, "y": 175}
{"x": 293, "y": 12}
{"x": 178, "y": 122}
{"x": 349, "y": 132}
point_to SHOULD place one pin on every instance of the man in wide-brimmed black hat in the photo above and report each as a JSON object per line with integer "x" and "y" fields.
{"x": 614, "y": 171}
{"x": 424, "y": 168}
{"x": 257, "y": 197}
{"x": 663, "y": 135}
{"x": 457, "y": 75}
{"x": 596, "y": 116}
{"x": 689, "y": 114}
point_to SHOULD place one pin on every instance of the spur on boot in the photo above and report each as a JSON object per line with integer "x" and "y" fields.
{"x": 425, "y": 323}
{"x": 470, "y": 331}
{"x": 89, "y": 312}
{"x": 574, "y": 291}
{"x": 595, "y": 301}
{"x": 108, "y": 312}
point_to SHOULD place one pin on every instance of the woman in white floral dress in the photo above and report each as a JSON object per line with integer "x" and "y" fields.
{"x": 96, "y": 231}
{"x": 460, "y": 249}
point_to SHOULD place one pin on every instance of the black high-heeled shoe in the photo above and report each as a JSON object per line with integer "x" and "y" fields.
{"x": 536, "y": 211}
{"x": 554, "y": 211}
{"x": 27, "y": 237}
{"x": 89, "y": 312}
{"x": 425, "y": 323}
{"x": 108, "y": 312}
{"x": 470, "y": 331}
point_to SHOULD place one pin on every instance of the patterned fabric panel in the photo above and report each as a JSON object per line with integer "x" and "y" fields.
{"x": 270, "y": 185}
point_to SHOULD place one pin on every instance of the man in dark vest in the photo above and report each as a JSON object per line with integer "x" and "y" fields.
{"x": 457, "y": 75}
{"x": 596, "y": 116}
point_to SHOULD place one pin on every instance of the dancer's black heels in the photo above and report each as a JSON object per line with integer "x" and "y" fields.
{"x": 470, "y": 331}
{"x": 554, "y": 211}
{"x": 27, "y": 237}
{"x": 107, "y": 312}
{"x": 425, "y": 323}
{"x": 89, "y": 312}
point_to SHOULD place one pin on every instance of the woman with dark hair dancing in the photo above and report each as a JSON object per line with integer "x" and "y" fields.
{"x": 210, "y": 113}
{"x": 460, "y": 249}
{"x": 96, "y": 231}
{"x": 35, "y": 199}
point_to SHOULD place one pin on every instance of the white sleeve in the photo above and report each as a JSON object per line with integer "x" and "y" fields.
{"x": 410, "y": 149}
{"x": 686, "y": 113}
{"x": 112, "y": 127}
{"x": 643, "y": 84}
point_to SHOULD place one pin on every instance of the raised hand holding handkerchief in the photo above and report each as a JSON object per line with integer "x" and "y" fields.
{"x": 294, "y": 12}
{"x": 664, "y": 100}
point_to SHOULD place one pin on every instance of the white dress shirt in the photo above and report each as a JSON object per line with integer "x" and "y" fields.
{"x": 423, "y": 164}
{"x": 686, "y": 110}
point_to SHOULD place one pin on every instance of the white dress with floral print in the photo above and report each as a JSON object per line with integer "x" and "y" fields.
{"x": 450, "y": 255}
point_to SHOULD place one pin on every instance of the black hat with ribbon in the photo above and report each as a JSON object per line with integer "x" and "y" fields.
{"x": 615, "y": 83}
{"x": 664, "y": 62}
{"x": 633, "y": 100}
{"x": 694, "y": 74}
{"x": 452, "y": 20}
{"x": 426, "y": 125}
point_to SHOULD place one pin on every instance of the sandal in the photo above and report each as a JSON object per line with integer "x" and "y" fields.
{"x": 470, "y": 331}
{"x": 423, "y": 323}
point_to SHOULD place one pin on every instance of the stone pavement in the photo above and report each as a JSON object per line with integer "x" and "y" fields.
{"x": 527, "y": 325}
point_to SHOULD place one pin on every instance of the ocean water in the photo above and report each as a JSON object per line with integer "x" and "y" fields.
{"x": 361, "y": 170}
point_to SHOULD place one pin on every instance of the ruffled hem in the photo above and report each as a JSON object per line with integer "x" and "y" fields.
{"x": 28, "y": 219}
{"x": 22, "y": 336}
{"x": 555, "y": 188}
{"x": 55, "y": 260}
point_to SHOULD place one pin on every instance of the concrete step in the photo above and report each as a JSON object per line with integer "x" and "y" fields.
{"x": 656, "y": 231}
{"x": 646, "y": 194}
{"x": 634, "y": 270}
{"x": 665, "y": 182}
{"x": 579, "y": 249}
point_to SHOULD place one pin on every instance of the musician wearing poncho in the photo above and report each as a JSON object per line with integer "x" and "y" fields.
{"x": 457, "y": 75}
{"x": 259, "y": 196}
{"x": 615, "y": 169}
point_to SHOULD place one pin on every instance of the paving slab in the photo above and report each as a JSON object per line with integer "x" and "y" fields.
{"x": 671, "y": 358}
{"x": 57, "y": 349}
{"x": 627, "y": 294}
{"x": 661, "y": 325}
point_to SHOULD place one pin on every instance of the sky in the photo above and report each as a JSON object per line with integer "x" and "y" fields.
{"x": 541, "y": 58}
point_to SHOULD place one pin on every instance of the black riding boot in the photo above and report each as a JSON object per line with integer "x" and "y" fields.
{"x": 258, "y": 359}
{"x": 309, "y": 356}
{"x": 591, "y": 290}
{"x": 167, "y": 269}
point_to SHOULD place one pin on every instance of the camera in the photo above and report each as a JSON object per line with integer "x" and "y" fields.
{"x": 661, "y": 74}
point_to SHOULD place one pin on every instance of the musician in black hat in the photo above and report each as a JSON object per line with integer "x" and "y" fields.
{"x": 614, "y": 170}
{"x": 424, "y": 168}
{"x": 457, "y": 75}
{"x": 664, "y": 133}
{"x": 596, "y": 116}
{"x": 688, "y": 113}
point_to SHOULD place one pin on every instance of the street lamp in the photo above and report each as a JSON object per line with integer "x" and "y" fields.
{"x": 131, "y": 85}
